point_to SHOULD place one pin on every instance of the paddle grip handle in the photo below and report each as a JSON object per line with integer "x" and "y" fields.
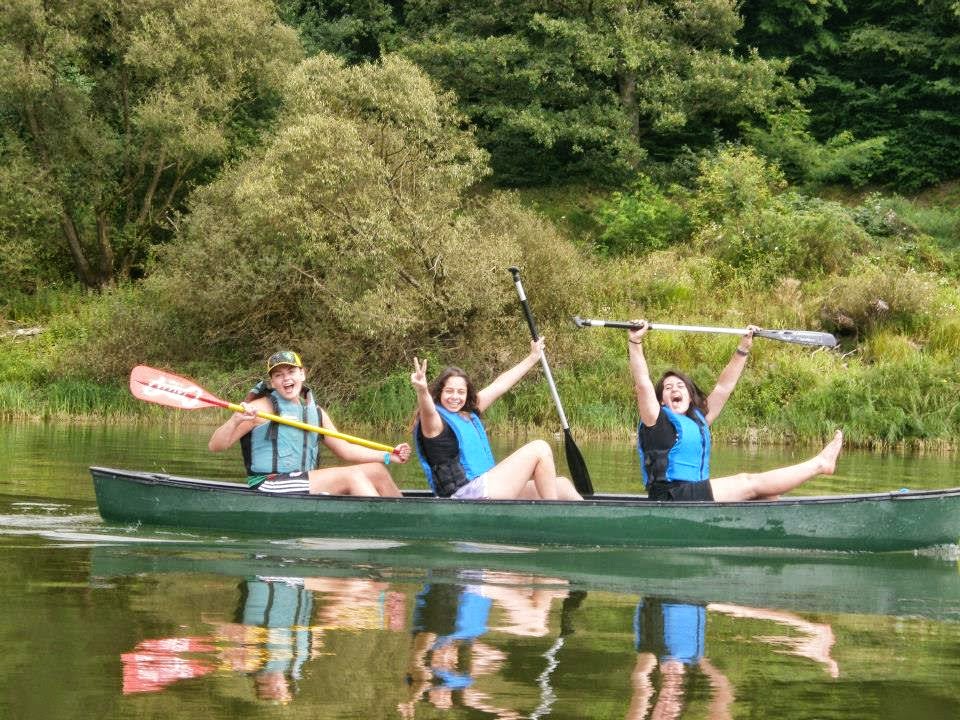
{"x": 587, "y": 322}
{"x": 515, "y": 271}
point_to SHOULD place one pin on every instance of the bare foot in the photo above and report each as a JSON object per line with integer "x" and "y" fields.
{"x": 828, "y": 456}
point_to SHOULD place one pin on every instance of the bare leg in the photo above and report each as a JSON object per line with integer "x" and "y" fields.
{"x": 346, "y": 480}
{"x": 642, "y": 687}
{"x": 381, "y": 479}
{"x": 771, "y": 484}
{"x": 723, "y": 696}
{"x": 670, "y": 702}
{"x": 565, "y": 490}
{"x": 533, "y": 461}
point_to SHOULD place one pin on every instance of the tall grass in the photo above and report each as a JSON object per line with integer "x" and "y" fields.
{"x": 67, "y": 399}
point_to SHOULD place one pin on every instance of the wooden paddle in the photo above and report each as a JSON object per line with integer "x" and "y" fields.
{"x": 810, "y": 338}
{"x": 578, "y": 467}
{"x": 164, "y": 388}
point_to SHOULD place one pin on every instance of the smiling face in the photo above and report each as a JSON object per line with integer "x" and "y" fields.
{"x": 287, "y": 380}
{"x": 675, "y": 395}
{"x": 453, "y": 395}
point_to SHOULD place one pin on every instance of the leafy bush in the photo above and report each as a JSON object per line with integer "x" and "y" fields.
{"x": 788, "y": 142}
{"x": 918, "y": 235}
{"x": 871, "y": 297}
{"x": 766, "y": 237}
{"x": 350, "y": 237}
{"x": 640, "y": 220}
{"x": 735, "y": 182}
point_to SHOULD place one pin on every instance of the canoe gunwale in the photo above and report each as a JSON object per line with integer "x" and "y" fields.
{"x": 156, "y": 478}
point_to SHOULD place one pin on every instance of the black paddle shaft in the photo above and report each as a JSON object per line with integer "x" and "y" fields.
{"x": 526, "y": 306}
{"x": 578, "y": 467}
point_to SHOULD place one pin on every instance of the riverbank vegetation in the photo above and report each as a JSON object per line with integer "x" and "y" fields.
{"x": 354, "y": 183}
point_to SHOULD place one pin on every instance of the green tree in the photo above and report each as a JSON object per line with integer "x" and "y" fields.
{"x": 350, "y": 235}
{"x": 356, "y": 30}
{"x": 589, "y": 88}
{"x": 113, "y": 111}
{"x": 879, "y": 69}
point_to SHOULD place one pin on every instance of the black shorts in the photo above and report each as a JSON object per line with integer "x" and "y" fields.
{"x": 679, "y": 490}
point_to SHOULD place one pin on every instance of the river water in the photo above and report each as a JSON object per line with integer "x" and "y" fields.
{"x": 115, "y": 622}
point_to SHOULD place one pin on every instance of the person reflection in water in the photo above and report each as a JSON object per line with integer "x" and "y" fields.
{"x": 672, "y": 636}
{"x": 448, "y": 657}
{"x": 278, "y": 628}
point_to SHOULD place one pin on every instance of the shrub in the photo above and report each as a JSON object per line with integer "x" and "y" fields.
{"x": 871, "y": 297}
{"x": 641, "y": 220}
{"x": 791, "y": 236}
{"x": 349, "y": 236}
{"x": 733, "y": 183}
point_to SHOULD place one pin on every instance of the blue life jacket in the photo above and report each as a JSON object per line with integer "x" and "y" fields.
{"x": 284, "y": 607}
{"x": 474, "y": 459}
{"x": 272, "y": 447}
{"x": 676, "y": 632}
{"x": 686, "y": 459}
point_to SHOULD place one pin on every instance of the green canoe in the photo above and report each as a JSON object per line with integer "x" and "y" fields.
{"x": 876, "y": 522}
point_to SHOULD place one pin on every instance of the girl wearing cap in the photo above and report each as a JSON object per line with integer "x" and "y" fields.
{"x": 674, "y": 434}
{"x": 283, "y": 459}
{"x": 453, "y": 447}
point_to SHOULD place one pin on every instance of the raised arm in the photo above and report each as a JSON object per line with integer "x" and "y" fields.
{"x": 647, "y": 401}
{"x": 511, "y": 377}
{"x": 431, "y": 424}
{"x": 730, "y": 376}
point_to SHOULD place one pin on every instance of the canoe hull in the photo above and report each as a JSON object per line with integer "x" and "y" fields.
{"x": 877, "y": 522}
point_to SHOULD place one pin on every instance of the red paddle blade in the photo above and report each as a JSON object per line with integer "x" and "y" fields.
{"x": 163, "y": 388}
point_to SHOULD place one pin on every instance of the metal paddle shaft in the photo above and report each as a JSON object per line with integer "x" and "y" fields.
{"x": 575, "y": 462}
{"x": 163, "y": 388}
{"x": 809, "y": 338}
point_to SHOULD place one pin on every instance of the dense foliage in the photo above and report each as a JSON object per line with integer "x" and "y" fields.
{"x": 227, "y": 189}
{"x": 348, "y": 234}
{"x": 112, "y": 112}
{"x": 878, "y": 70}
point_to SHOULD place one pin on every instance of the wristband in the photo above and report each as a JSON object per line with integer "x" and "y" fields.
{"x": 742, "y": 352}
{"x": 386, "y": 458}
{"x": 635, "y": 342}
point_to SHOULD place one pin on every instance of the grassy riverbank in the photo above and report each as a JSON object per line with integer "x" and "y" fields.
{"x": 882, "y": 278}
{"x": 787, "y": 394}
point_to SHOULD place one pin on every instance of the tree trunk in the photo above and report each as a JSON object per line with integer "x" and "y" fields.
{"x": 72, "y": 236}
{"x": 627, "y": 86}
{"x": 102, "y": 275}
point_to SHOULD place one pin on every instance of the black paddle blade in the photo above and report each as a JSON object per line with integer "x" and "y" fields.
{"x": 578, "y": 467}
{"x": 570, "y": 603}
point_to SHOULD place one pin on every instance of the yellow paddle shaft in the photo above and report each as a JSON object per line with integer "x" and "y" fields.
{"x": 315, "y": 428}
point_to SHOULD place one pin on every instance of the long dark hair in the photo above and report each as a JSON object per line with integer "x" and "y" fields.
{"x": 698, "y": 401}
{"x": 436, "y": 387}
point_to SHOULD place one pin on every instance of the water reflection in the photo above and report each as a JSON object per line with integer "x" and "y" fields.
{"x": 279, "y": 625}
{"x": 670, "y": 639}
{"x": 487, "y": 641}
{"x": 449, "y": 659}
{"x": 795, "y": 635}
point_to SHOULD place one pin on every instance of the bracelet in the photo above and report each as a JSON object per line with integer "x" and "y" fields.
{"x": 386, "y": 458}
{"x": 742, "y": 352}
{"x": 635, "y": 342}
